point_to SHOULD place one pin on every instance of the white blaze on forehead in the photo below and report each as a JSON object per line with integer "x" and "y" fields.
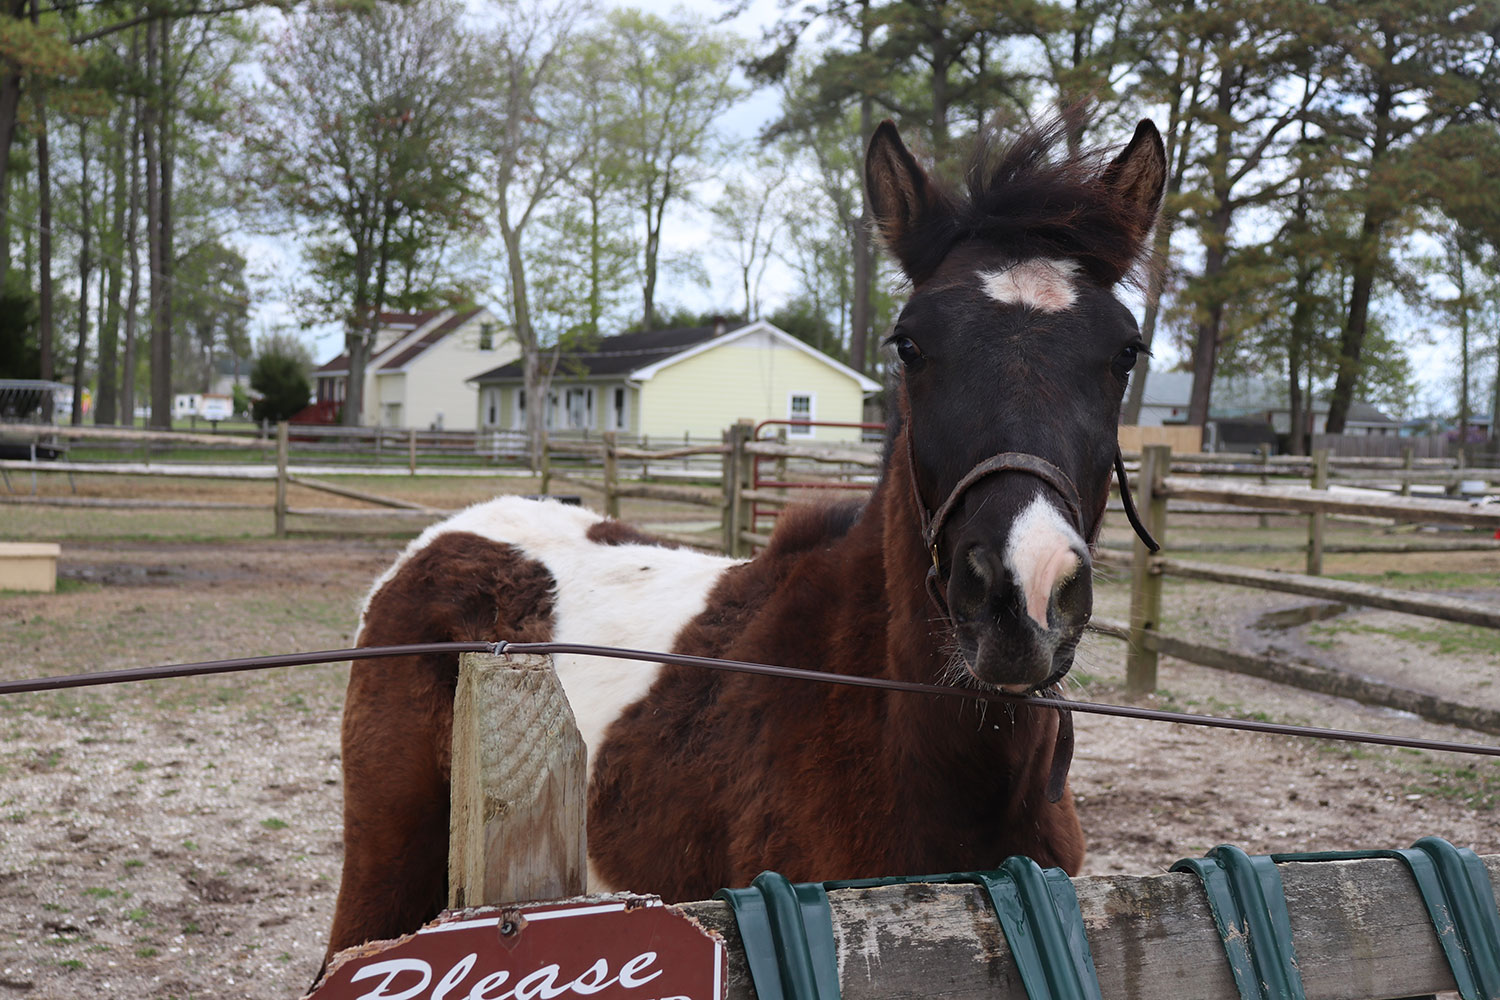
{"x": 1041, "y": 555}
{"x": 1043, "y": 283}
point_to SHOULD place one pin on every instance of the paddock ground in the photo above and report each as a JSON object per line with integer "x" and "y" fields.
{"x": 181, "y": 838}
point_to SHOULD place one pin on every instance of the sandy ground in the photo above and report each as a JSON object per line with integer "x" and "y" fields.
{"x": 181, "y": 838}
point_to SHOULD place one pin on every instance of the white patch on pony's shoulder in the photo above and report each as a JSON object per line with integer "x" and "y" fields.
{"x": 1044, "y": 283}
{"x": 633, "y": 596}
{"x": 1041, "y": 554}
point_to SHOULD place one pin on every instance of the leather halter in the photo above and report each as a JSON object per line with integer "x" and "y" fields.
{"x": 932, "y": 525}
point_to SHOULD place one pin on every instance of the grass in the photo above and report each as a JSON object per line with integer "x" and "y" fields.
{"x": 1476, "y": 787}
{"x": 1449, "y": 639}
{"x": 1424, "y": 580}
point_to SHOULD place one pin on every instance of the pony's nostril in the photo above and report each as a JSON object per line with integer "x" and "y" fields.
{"x": 1073, "y": 599}
{"x": 984, "y": 564}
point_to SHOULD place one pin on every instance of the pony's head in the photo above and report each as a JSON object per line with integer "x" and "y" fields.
{"x": 1013, "y": 355}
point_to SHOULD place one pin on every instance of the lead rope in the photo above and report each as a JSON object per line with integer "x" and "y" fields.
{"x": 1130, "y": 512}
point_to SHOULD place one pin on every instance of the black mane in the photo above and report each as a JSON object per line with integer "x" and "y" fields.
{"x": 1026, "y": 199}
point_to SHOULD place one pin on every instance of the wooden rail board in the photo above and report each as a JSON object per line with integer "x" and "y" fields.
{"x": 1359, "y": 928}
{"x": 1313, "y": 677}
{"x": 1453, "y": 609}
{"x": 1310, "y": 501}
{"x": 353, "y": 494}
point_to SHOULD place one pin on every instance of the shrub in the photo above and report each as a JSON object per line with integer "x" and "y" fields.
{"x": 281, "y": 379}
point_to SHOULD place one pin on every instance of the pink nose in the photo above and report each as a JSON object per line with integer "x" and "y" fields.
{"x": 1055, "y": 569}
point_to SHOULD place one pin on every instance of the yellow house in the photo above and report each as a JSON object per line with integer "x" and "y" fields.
{"x": 687, "y": 382}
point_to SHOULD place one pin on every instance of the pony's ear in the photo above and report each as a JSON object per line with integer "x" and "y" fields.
{"x": 1139, "y": 174}
{"x": 902, "y": 199}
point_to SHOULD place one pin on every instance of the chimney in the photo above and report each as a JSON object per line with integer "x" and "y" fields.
{"x": 720, "y": 325}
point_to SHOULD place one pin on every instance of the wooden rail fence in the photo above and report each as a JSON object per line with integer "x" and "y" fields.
{"x": 1155, "y": 487}
{"x": 1359, "y": 927}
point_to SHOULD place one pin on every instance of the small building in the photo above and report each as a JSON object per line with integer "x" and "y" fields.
{"x": 1241, "y": 401}
{"x": 420, "y": 371}
{"x": 688, "y": 381}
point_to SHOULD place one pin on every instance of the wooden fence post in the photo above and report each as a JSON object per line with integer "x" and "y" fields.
{"x": 1316, "y": 521}
{"x": 546, "y": 470}
{"x": 611, "y": 475}
{"x": 283, "y": 447}
{"x": 1145, "y": 580}
{"x": 516, "y": 822}
{"x": 1460, "y": 463}
{"x": 411, "y": 451}
{"x": 1264, "y": 521}
{"x": 736, "y": 464}
{"x": 1408, "y": 463}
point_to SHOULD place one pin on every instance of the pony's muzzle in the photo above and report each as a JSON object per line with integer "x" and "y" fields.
{"x": 1019, "y": 609}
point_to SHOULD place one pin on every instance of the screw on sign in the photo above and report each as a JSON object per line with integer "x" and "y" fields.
{"x": 609, "y": 948}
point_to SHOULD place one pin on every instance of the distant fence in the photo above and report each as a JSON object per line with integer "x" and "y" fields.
{"x": 1154, "y": 487}
{"x": 1181, "y": 438}
{"x": 1381, "y": 445}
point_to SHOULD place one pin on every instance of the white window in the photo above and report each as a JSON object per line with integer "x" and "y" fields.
{"x": 520, "y": 423}
{"x": 802, "y": 413}
{"x": 491, "y": 407}
{"x": 486, "y": 336}
{"x": 619, "y": 416}
{"x": 578, "y": 404}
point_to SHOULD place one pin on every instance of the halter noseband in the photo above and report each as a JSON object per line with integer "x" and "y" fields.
{"x": 932, "y": 524}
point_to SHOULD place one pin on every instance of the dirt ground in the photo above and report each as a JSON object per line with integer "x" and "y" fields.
{"x": 181, "y": 838}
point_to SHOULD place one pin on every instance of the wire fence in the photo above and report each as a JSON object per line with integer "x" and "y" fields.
{"x": 502, "y": 648}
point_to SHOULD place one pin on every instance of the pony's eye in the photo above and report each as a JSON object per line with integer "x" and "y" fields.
{"x": 907, "y": 350}
{"x": 1125, "y": 360}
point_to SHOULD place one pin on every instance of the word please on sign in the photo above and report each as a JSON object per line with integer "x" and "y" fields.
{"x": 614, "y": 948}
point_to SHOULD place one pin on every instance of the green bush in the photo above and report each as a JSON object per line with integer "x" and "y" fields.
{"x": 281, "y": 380}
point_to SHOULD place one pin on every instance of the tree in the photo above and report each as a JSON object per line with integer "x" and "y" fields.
{"x": 529, "y": 151}
{"x": 212, "y": 308}
{"x": 279, "y": 374}
{"x": 1252, "y": 48}
{"x": 360, "y": 137}
{"x": 676, "y": 76}
{"x": 1411, "y": 72}
{"x": 747, "y": 222}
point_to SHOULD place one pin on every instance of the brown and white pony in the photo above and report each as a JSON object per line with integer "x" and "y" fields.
{"x": 969, "y": 564}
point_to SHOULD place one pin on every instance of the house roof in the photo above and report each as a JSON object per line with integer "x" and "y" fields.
{"x": 1242, "y": 395}
{"x": 620, "y": 355}
{"x": 639, "y": 356}
{"x": 404, "y": 349}
{"x": 437, "y": 333}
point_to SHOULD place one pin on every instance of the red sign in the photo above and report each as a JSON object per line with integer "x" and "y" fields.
{"x": 608, "y": 948}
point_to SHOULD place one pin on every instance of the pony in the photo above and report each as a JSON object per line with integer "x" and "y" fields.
{"x": 968, "y": 564}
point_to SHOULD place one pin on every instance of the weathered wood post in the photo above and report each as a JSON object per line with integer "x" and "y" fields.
{"x": 1408, "y": 463}
{"x": 1460, "y": 463}
{"x": 611, "y": 475}
{"x": 411, "y": 451}
{"x": 546, "y": 468}
{"x": 1264, "y": 521}
{"x": 517, "y": 820}
{"x": 1315, "y": 521}
{"x": 736, "y": 464}
{"x": 283, "y": 447}
{"x": 1145, "y": 579}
